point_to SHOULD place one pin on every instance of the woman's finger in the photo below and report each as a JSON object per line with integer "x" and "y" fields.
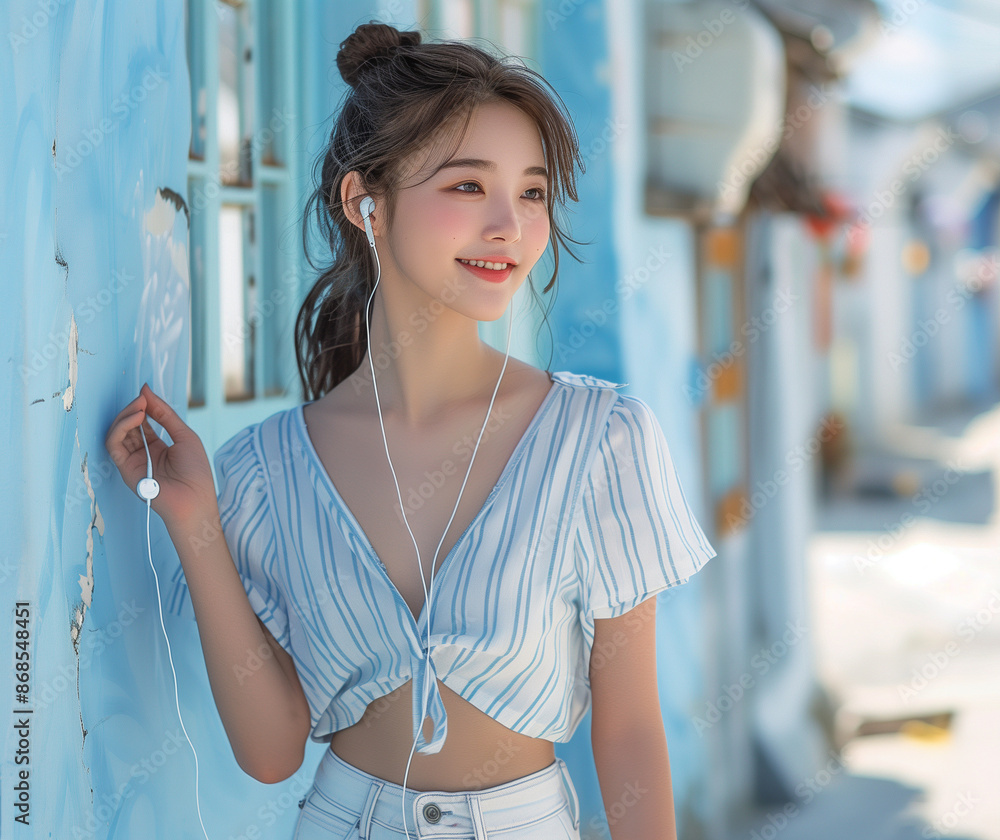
{"x": 115, "y": 441}
{"x": 128, "y": 410}
{"x": 119, "y": 428}
{"x": 148, "y": 432}
{"x": 160, "y": 411}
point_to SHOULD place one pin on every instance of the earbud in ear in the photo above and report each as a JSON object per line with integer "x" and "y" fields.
{"x": 367, "y": 206}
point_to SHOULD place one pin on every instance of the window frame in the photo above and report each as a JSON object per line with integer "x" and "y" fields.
{"x": 271, "y": 297}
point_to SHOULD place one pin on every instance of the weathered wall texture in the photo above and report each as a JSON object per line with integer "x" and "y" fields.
{"x": 94, "y": 130}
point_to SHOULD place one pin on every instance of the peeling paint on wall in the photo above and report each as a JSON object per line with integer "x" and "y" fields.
{"x": 177, "y": 199}
{"x": 73, "y": 346}
{"x": 86, "y": 580}
{"x": 164, "y": 307}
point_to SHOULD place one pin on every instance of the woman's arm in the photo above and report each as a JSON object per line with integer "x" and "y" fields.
{"x": 254, "y": 682}
{"x": 630, "y": 745}
{"x": 253, "y": 679}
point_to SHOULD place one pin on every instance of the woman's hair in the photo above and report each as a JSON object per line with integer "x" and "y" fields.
{"x": 403, "y": 95}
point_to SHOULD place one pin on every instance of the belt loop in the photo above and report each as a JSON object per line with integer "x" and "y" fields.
{"x": 365, "y": 822}
{"x": 476, "y": 812}
{"x": 570, "y": 792}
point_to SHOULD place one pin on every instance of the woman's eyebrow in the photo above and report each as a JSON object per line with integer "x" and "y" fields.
{"x": 488, "y": 165}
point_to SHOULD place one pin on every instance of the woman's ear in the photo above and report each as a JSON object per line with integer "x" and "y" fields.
{"x": 352, "y": 190}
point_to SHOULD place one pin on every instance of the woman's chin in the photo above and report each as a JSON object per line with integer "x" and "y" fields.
{"x": 495, "y": 316}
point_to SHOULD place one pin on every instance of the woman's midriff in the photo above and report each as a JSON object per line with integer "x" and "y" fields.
{"x": 478, "y": 752}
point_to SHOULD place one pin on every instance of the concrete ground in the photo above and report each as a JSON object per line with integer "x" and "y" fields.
{"x": 904, "y": 577}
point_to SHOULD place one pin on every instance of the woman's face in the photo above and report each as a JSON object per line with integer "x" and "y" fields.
{"x": 486, "y": 202}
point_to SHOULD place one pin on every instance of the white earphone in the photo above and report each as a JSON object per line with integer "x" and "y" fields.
{"x": 148, "y": 489}
{"x": 366, "y": 206}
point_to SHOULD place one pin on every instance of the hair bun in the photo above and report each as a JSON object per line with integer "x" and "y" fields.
{"x": 368, "y": 42}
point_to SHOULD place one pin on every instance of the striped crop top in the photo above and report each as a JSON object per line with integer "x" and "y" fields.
{"x": 586, "y": 521}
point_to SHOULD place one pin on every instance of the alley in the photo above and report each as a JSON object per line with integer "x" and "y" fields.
{"x": 904, "y": 586}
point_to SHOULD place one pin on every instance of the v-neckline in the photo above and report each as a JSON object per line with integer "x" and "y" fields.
{"x": 355, "y": 525}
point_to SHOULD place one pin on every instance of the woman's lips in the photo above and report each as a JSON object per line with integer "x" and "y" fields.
{"x": 489, "y": 274}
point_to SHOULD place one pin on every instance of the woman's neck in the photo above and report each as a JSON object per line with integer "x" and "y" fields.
{"x": 427, "y": 361}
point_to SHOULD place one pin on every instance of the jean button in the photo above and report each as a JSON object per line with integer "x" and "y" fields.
{"x": 432, "y": 813}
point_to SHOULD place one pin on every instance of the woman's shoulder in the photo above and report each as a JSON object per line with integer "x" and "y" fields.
{"x": 583, "y": 380}
{"x": 250, "y": 445}
{"x": 622, "y": 421}
{"x": 611, "y": 402}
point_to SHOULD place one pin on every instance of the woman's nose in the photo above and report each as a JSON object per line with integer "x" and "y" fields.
{"x": 504, "y": 221}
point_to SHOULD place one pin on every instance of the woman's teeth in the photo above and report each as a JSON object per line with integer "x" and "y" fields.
{"x": 484, "y": 264}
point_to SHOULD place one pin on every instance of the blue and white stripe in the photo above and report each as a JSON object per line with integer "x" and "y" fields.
{"x": 586, "y": 521}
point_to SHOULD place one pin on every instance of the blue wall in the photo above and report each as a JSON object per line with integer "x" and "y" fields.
{"x": 573, "y": 54}
{"x": 94, "y": 130}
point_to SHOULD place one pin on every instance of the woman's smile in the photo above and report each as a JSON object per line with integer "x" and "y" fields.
{"x": 489, "y": 271}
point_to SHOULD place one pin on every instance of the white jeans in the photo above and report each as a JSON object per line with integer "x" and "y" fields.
{"x": 345, "y": 803}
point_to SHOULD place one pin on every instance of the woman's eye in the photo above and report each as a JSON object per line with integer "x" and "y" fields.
{"x": 539, "y": 193}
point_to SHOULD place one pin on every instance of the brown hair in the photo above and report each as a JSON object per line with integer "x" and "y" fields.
{"x": 403, "y": 94}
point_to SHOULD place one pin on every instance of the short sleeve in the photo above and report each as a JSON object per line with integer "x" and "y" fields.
{"x": 637, "y": 534}
{"x": 248, "y": 528}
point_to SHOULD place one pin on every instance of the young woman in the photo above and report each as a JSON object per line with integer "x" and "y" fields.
{"x": 427, "y": 551}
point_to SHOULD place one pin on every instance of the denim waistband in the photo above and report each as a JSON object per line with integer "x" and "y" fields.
{"x": 430, "y": 814}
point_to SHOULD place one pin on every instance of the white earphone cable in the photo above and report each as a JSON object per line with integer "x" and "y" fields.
{"x": 156, "y": 578}
{"x": 428, "y": 594}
